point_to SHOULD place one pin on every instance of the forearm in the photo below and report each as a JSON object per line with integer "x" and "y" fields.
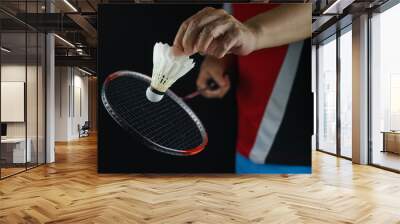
{"x": 283, "y": 25}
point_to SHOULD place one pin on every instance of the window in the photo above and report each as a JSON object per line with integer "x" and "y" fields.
{"x": 22, "y": 76}
{"x": 334, "y": 137}
{"x": 327, "y": 96}
{"x": 385, "y": 89}
{"x": 346, "y": 93}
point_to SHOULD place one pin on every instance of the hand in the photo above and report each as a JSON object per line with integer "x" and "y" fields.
{"x": 216, "y": 33}
{"x": 214, "y": 69}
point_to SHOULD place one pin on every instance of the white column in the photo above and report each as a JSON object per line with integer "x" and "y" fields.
{"x": 50, "y": 92}
{"x": 314, "y": 91}
{"x": 360, "y": 90}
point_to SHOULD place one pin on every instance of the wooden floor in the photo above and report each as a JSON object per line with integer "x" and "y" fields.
{"x": 5, "y": 172}
{"x": 70, "y": 191}
{"x": 387, "y": 159}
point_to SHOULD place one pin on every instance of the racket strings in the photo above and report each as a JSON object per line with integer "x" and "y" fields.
{"x": 164, "y": 123}
{"x": 150, "y": 130}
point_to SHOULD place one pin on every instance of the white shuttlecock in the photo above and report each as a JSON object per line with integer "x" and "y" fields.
{"x": 167, "y": 68}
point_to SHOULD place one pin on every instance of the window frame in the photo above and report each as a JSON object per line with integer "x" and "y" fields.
{"x": 333, "y": 37}
{"x": 378, "y": 10}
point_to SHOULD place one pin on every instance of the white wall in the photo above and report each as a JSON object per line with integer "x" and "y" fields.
{"x": 33, "y": 126}
{"x": 61, "y": 103}
{"x": 71, "y": 93}
{"x": 16, "y": 72}
{"x": 80, "y": 89}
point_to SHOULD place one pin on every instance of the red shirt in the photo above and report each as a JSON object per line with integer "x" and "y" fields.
{"x": 258, "y": 72}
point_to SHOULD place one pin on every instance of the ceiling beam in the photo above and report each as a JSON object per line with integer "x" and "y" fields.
{"x": 83, "y": 61}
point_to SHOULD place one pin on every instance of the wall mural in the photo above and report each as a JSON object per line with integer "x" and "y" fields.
{"x": 203, "y": 89}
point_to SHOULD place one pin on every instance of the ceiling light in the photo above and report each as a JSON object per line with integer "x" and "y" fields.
{"x": 70, "y": 5}
{"x": 65, "y": 41}
{"x": 332, "y": 6}
{"x": 84, "y": 71}
{"x": 5, "y": 50}
{"x": 337, "y": 7}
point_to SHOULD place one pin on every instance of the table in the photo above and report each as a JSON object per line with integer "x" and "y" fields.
{"x": 391, "y": 141}
{"x": 15, "y": 148}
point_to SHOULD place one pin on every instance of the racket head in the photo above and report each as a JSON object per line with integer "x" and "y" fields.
{"x": 123, "y": 96}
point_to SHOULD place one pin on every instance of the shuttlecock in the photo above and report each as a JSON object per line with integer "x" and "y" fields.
{"x": 167, "y": 68}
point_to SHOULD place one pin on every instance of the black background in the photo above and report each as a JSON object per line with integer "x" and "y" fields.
{"x": 127, "y": 34}
{"x": 292, "y": 143}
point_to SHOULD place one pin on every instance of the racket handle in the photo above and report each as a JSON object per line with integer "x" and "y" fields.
{"x": 211, "y": 85}
{"x": 191, "y": 95}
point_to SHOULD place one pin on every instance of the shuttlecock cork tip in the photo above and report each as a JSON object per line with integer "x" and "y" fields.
{"x": 167, "y": 68}
{"x": 153, "y": 95}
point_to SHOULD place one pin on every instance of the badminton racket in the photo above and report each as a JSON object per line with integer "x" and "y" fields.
{"x": 168, "y": 126}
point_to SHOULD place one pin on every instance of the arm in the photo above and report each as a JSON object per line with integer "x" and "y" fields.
{"x": 283, "y": 25}
{"x": 214, "y": 32}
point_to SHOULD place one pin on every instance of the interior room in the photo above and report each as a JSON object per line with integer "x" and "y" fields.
{"x": 22, "y": 104}
{"x": 50, "y": 98}
{"x": 385, "y": 123}
{"x": 334, "y": 55}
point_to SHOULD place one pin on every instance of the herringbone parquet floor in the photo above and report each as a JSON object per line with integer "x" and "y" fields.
{"x": 70, "y": 191}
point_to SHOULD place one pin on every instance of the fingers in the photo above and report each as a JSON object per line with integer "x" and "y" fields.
{"x": 211, "y": 32}
{"x": 214, "y": 32}
{"x": 196, "y": 33}
{"x": 204, "y": 41}
{"x": 192, "y": 29}
{"x": 178, "y": 47}
{"x": 189, "y": 38}
{"x": 225, "y": 44}
{"x": 177, "y": 51}
{"x": 195, "y": 26}
{"x": 202, "y": 79}
{"x": 213, "y": 69}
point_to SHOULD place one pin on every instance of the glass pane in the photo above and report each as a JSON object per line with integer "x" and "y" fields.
{"x": 346, "y": 94}
{"x": 31, "y": 86}
{"x": 13, "y": 86}
{"x": 385, "y": 93}
{"x": 41, "y": 98}
{"x": 327, "y": 97}
{"x": 31, "y": 100}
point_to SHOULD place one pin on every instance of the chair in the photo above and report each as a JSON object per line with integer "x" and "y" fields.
{"x": 84, "y": 130}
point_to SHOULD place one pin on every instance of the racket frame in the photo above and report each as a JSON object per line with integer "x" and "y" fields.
{"x": 149, "y": 143}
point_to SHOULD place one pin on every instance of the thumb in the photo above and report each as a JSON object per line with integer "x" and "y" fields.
{"x": 202, "y": 78}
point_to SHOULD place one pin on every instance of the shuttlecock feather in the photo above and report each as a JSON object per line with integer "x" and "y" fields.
{"x": 167, "y": 68}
